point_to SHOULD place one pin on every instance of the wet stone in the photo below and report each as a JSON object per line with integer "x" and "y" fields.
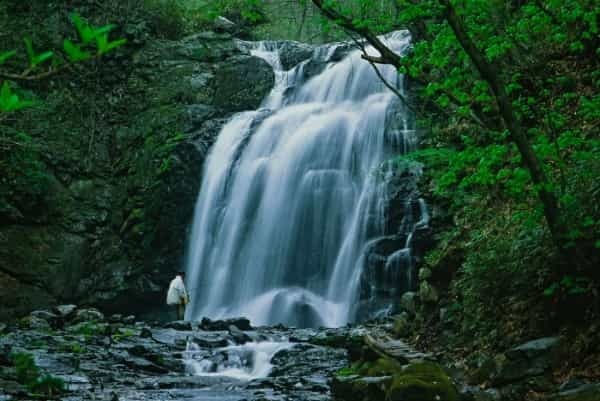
{"x": 181, "y": 325}
{"x": 222, "y": 325}
{"x": 86, "y": 315}
{"x": 65, "y": 311}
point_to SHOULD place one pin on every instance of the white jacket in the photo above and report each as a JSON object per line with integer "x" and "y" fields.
{"x": 177, "y": 293}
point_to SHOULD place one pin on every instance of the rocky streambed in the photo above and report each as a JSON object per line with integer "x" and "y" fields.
{"x": 70, "y": 353}
{"x": 119, "y": 358}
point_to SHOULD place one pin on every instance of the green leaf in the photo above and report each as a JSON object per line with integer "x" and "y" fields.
{"x": 34, "y": 58}
{"x": 29, "y": 49}
{"x": 74, "y": 51}
{"x": 86, "y": 33}
{"x": 6, "y": 55}
{"x": 103, "y": 30}
{"x": 10, "y": 101}
{"x": 551, "y": 290}
{"x": 104, "y": 46}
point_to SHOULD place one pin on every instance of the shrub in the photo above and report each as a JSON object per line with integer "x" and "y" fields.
{"x": 29, "y": 374}
{"x": 25, "y": 367}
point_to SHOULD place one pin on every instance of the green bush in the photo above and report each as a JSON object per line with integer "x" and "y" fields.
{"x": 28, "y": 374}
{"x": 25, "y": 367}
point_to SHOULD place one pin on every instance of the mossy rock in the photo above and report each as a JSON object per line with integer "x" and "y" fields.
{"x": 357, "y": 388}
{"x": 424, "y": 381}
{"x": 380, "y": 367}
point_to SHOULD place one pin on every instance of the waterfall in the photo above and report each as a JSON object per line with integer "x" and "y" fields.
{"x": 290, "y": 200}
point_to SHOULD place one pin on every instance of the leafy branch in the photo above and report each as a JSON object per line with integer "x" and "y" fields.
{"x": 93, "y": 43}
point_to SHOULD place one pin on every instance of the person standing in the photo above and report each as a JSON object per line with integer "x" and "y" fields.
{"x": 177, "y": 295}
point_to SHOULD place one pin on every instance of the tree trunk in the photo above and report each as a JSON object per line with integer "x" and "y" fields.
{"x": 490, "y": 74}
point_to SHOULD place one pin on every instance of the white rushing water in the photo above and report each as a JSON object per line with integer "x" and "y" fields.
{"x": 289, "y": 198}
{"x": 242, "y": 362}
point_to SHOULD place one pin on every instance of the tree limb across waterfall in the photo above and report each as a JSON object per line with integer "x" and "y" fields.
{"x": 389, "y": 57}
{"x": 489, "y": 73}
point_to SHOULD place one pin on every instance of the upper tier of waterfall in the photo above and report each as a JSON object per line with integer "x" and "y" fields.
{"x": 289, "y": 201}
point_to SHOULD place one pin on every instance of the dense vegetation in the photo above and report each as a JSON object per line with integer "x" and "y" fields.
{"x": 509, "y": 101}
{"x": 506, "y": 94}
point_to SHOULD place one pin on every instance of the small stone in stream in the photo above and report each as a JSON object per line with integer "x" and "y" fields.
{"x": 222, "y": 325}
{"x": 239, "y": 337}
{"x": 181, "y": 325}
{"x": 210, "y": 340}
{"x": 146, "y": 332}
{"x": 116, "y": 318}
{"x": 408, "y": 302}
{"x": 129, "y": 319}
{"x": 87, "y": 315}
{"x": 138, "y": 363}
{"x": 65, "y": 311}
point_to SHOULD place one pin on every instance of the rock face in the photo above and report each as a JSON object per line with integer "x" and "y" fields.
{"x": 113, "y": 227}
{"x": 391, "y": 267}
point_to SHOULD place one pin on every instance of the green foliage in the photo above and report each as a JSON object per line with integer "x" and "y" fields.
{"x": 4, "y": 56}
{"x": 247, "y": 10}
{"x": 29, "y": 374}
{"x": 26, "y": 370}
{"x": 12, "y": 101}
{"x": 570, "y": 286}
{"x": 23, "y": 180}
{"x": 177, "y": 18}
{"x": 90, "y": 34}
{"x": 88, "y": 329}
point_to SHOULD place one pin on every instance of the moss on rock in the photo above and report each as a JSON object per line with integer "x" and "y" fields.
{"x": 424, "y": 381}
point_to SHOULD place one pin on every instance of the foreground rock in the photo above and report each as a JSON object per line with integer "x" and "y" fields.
{"x": 117, "y": 359}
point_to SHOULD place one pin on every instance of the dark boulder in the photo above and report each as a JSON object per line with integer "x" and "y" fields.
{"x": 533, "y": 358}
{"x": 242, "y": 83}
{"x": 293, "y": 53}
{"x": 223, "y": 325}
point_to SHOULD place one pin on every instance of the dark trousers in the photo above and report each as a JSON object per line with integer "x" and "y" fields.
{"x": 180, "y": 311}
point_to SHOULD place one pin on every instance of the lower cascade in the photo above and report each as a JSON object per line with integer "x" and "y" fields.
{"x": 292, "y": 222}
{"x": 242, "y": 362}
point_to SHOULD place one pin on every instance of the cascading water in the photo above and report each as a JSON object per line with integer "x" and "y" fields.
{"x": 289, "y": 198}
{"x": 243, "y": 362}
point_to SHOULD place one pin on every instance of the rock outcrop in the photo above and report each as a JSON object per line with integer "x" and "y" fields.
{"x": 113, "y": 226}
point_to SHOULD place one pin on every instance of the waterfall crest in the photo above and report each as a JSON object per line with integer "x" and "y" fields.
{"x": 289, "y": 200}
